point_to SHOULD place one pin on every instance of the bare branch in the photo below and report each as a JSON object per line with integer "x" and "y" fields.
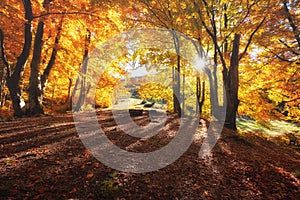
{"x": 292, "y": 23}
{"x": 155, "y": 14}
{"x": 240, "y": 22}
{"x": 66, "y": 13}
{"x": 251, "y": 37}
{"x": 289, "y": 47}
{"x": 212, "y": 34}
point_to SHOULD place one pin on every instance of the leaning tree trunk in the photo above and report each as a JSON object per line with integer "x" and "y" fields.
{"x": 231, "y": 86}
{"x": 35, "y": 90}
{"x": 13, "y": 81}
{"x": 45, "y": 75}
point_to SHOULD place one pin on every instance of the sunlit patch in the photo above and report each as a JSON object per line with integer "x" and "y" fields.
{"x": 200, "y": 63}
{"x": 201, "y": 132}
{"x": 290, "y": 175}
{"x": 22, "y": 103}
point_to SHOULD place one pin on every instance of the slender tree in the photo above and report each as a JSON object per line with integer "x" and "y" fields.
{"x": 83, "y": 84}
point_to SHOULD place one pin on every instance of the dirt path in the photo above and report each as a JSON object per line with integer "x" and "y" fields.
{"x": 43, "y": 158}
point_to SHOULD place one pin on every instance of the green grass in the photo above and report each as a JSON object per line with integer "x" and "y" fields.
{"x": 271, "y": 128}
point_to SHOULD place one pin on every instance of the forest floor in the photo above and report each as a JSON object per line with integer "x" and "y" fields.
{"x": 43, "y": 158}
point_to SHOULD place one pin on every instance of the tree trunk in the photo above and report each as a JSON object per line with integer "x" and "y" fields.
{"x": 176, "y": 77}
{"x": 69, "y": 90}
{"x": 291, "y": 22}
{"x": 82, "y": 95}
{"x": 200, "y": 94}
{"x": 183, "y": 113}
{"x": 35, "y": 89}
{"x": 45, "y": 75}
{"x": 213, "y": 94}
{"x": 177, "y": 93}
{"x": 231, "y": 86}
{"x": 13, "y": 81}
{"x": 2, "y": 86}
{"x": 72, "y": 97}
{"x": 3, "y": 69}
{"x": 38, "y": 83}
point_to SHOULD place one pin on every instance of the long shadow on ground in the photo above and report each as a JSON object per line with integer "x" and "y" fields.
{"x": 43, "y": 158}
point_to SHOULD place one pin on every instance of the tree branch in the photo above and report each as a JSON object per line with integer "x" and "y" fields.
{"x": 65, "y": 13}
{"x": 292, "y": 23}
{"x": 289, "y": 47}
{"x": 51, "y": 62}
{"x": 22, "y": 59}
{"x": 240, "y": 22}
{"x": 251, "y": 38}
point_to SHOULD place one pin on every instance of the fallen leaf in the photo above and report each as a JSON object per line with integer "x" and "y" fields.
{"x": 86, "y": 152}
{"x": 74, "y": 190}
{"x": 90, "y": 175}
{"x": 196, "y": 187}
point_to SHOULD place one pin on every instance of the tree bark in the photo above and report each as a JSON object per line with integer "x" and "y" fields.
{"x": 231, "y": 85}
{"x": 176, "y": 77}
{"x": 291, "y": 22}
{"x": 200, "y": 94}
{"x": 82, "y": 95}
{"x": 71, "y": 99}
{"x": 13, "y": 81}
{"x": 35, "y": 89}
{"x": 176, "y": 92}
{"x": 38, "y": 83}
{"x": 3, "y": 69}
{"x": 45, "y": 75}
{"x": 69, "y": 90}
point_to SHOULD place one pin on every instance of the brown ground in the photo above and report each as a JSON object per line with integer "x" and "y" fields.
{"x": 43, "y": 158}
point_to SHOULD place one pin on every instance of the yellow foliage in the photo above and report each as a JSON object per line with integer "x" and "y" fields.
{"x": 103, "y": 97}
{"x": 156, "y": 92}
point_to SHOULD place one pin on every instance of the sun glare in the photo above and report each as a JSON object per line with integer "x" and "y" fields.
{"x": 200, "y": 63}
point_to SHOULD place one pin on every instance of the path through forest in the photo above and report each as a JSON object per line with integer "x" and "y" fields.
{"x": 43, "y": 158}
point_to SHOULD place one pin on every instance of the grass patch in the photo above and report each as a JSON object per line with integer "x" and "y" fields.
{"x": 271, "y": 130}
{"x": 110, "y": 185}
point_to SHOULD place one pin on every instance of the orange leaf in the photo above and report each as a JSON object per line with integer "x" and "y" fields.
{"x": 73, "y": 191}
{"x": 70, "y": 154}
{"x": 86, "y": 152}
{"x": 90, "y": 175}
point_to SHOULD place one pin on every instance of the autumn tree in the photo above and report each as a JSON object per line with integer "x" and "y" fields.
{"x": 35, "y": 88}
{"x": 14, "y": 74}
{"x": 57, "y": 51}
{"x": 38, "y": 82}
{"x": 83, "y": 84}
{"x": 225, "y": 22}
{"x": 168, "y": 15}
{"x": 272, "y": 84}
